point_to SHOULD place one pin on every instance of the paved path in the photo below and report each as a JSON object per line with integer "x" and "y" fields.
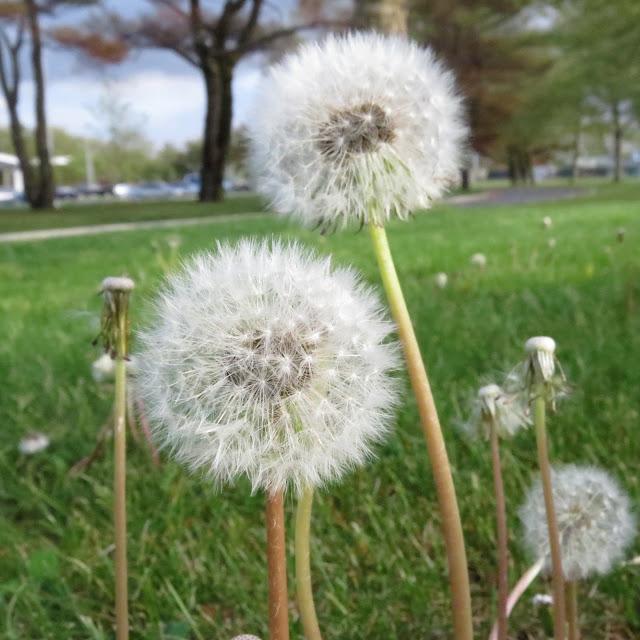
{"x": 96, "y": 229}
{"x": 515, "y": 195}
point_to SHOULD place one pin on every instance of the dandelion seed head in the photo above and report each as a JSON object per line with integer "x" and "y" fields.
{"x": 547, "y": 222}
{"x": 361, "y": 127}
{"x": 594, "y": 518}
{"x": 266, "y": 361}
{"x": 478, "y": 260}
{"x": 33, "y": 443}
{"x": 441, "y": 280}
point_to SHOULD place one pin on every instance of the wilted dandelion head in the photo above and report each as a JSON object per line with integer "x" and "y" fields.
{"x": 478, "y": 260}
{"x": 266, "y": 361}
{"x": 494, "y": 407}
{"x": 360, "y": 127}
{"x": 115, "y": 291}
{"x": 594, "y": 518}
{"x": 539, "y": 373}
{"x": 620, "y": 234}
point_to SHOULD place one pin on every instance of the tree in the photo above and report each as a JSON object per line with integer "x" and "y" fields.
{"x": 211, "y": 40}
{"x": 489, "y": 48}
{"x": 602, "y": 41}
{"x": 23, "y": 19}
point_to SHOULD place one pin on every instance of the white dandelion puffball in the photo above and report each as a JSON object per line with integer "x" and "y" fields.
{"x": 266, "y": 361}
{"x": 495, "y": 406}
{"x": 33, "y": 443}
{"x": 478, "y": 260}
{"x": 594, "y": 518}
{"x": 360, "y": 127}
{"x": 441, "y": 280}
{"x": 547, "y": 222}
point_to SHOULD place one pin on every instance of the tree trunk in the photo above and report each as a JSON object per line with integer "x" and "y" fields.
{"x": 388, "y": 16}
{"x": 576, "y": 156}
{"x": 617, "y": 142}
{"x": 20, "y": 149}
{"x": 465, "y": 179}
{"x": 43, "y": 198}
{"x": 217, "y": 129}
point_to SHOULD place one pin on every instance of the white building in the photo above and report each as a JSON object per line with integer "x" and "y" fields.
{"x": 10, "y": 175}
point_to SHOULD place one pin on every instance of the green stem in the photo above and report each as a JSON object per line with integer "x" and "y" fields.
{"x": 502, "y": 535}
{"x": 450, "y": 515}
{"x": 572, "y": 610}
{"x": 539, "y": 418}
{"x": 119, "y": 478}
{"x": 304, "y": 589}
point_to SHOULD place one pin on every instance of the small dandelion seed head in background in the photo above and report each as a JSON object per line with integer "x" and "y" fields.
{"x": 266, "y": 361}
{"x": 478, "y": 260}
{"x": 547, "y": 222}
{"x": 33, "y": 443}
{"x": 441, "y": 280}
{"x": 594, "y": 518}
{"x": 360, "y": 127}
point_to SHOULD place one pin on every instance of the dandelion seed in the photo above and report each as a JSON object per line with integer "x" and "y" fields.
{"x": 33, "y": 443}
{"x": 242, "y": 375}
{"x": 542, "y": 600}
{"x": 478, "y": 260}
{"x": 337, "y": 139}
{"x": 594, "y": 518}
{"x": 441, "y": 280}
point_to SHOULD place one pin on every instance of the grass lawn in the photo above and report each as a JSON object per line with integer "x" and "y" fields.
{"x": 77, "y": 214}
{"x": 197, "y": 563}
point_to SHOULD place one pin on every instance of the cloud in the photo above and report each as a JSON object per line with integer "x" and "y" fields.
{"x": 171, "y": 105}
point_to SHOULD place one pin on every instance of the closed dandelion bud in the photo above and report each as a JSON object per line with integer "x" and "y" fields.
{"x": 594, "y": 518}
{"x": 116, "y": 292}
{"x": 620, "y": 234}
{"x": 360, "y": 128}
{"x": 267, "y": 362}
{"x": 493, "y": 406}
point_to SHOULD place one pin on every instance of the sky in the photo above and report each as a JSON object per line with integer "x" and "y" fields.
{"x": 164, "y": 92}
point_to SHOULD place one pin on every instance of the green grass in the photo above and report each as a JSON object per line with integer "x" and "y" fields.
{"x": 197, "y": 564}
{"x": 78, "y": 214}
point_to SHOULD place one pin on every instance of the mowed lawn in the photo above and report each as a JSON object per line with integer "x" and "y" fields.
{"x": 197, "y": 561}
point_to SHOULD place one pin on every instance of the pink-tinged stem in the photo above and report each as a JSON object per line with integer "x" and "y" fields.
{"x": 516, "y": 593}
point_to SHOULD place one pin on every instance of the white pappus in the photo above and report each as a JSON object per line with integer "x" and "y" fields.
{"x": 264, "y": 360}
{"x": 594, "y": 518}
{"x": 360, "y": 127}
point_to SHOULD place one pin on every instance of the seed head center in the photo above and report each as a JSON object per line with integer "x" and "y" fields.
{"x": 360, "y": 129}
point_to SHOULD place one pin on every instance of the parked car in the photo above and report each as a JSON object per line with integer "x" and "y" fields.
{"x": 66, "y": 193}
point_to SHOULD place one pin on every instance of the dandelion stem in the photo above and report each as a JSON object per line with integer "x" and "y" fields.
{"x": 516, "y": 593}
{"x": 277, "y": 564}
{"x": 119, "y": 477}
{"x": 572, "y": 610}
{"x": 304, "y": 590}
{"x": 451, "y": 524}
{"x": 502, "y": 535}
{"x": 539, "y": 419}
